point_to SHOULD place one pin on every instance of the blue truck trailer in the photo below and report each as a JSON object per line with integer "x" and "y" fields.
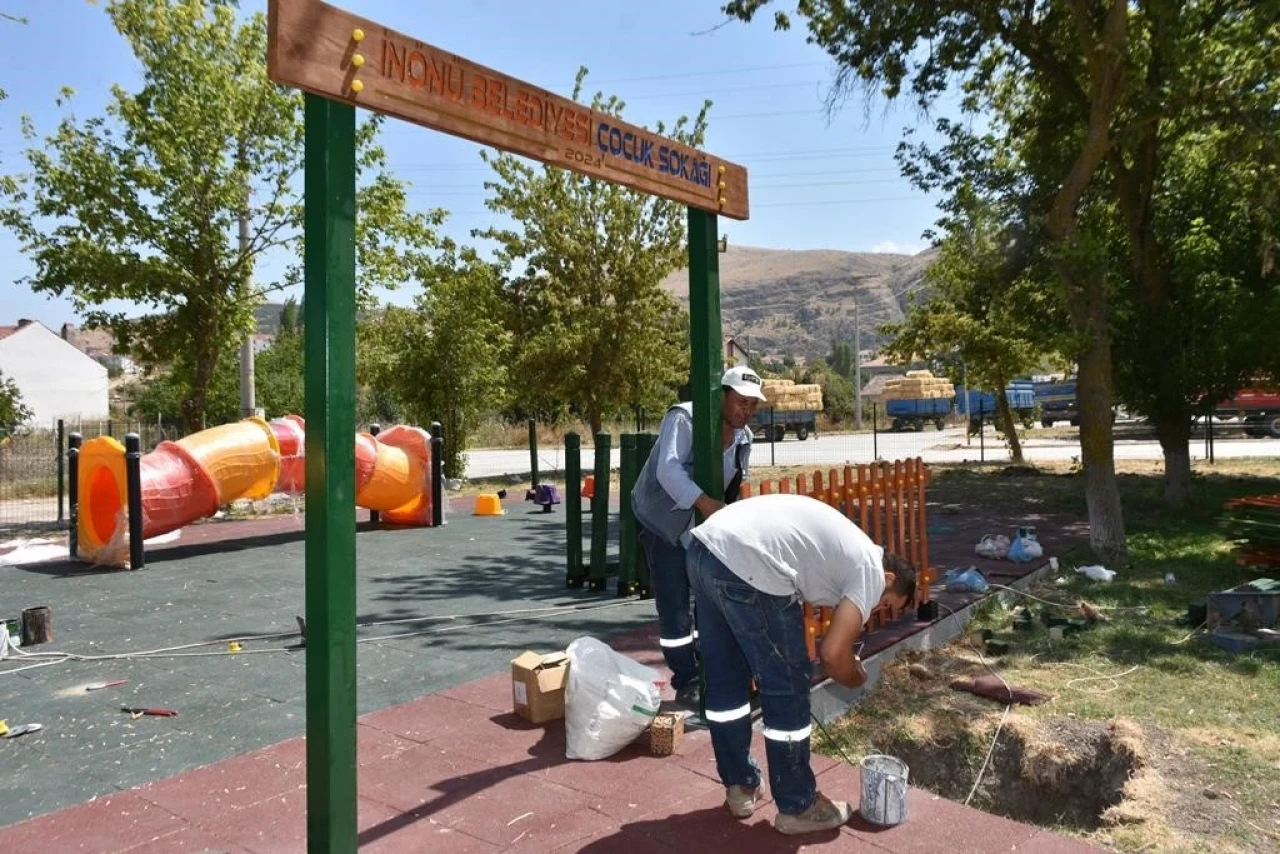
{"x": 913, "y": 413}
{"x": 981, "y": 406}
{"x": 1057, "y": 402}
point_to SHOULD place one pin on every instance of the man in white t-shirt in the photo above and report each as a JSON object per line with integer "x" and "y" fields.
{"x": 751, "y": 565}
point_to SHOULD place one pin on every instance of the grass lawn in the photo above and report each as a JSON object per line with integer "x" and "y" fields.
{"x": 1155, "y": 740}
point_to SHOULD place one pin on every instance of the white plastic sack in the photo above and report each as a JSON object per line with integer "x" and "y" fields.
{"x": 1024, "y": 550}
{"x": 994, "y": 546}
{"x": 609, "y": 700}
{"x": 1097, "y": 573}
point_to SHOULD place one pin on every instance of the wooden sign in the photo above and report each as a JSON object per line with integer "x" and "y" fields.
{"x": 329, "y": 52}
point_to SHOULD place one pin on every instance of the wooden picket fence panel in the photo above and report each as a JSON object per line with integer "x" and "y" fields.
{"x": 888, "y": 502}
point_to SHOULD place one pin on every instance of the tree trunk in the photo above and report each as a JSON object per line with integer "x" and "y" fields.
{"x": 1175, "y": 441}
{"x": 193, "y": 410}
{"x": 1009, "y": 426}
{"x": 1097, "y": 448}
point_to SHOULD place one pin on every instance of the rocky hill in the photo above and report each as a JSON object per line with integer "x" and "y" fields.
{"x": 798, "y": 301}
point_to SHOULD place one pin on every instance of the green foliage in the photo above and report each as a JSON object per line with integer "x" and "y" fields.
{"x": 838, "y": 400}
{"x": 841, "y": 359}
{"x": 140, "y": 207}
{"x": 162, "y": 393}
{"x": 278, "y": 375}
{"x": 593, "y": 329}
{"x": 988, "y": 311}
{"x": 12, "y": 410}
{"x": 444, "y": 359}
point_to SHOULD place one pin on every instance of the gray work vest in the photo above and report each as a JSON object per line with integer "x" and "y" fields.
{"x": 655, "y": 509}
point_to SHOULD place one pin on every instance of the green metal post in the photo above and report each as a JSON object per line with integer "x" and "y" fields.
{"x": 644, "y": 584}
{"x": 600, "y": 515}
{"x": 705, "y": 366}
{"x": 329, "y": 297}
{"x": 628, "y": 540}
{"x": 706, "y": 350}
{"x": 574, "y": 574}
{"x": 533, "y": 453}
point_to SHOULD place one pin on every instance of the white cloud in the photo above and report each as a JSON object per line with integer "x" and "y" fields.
{"x": 895, "y": 248}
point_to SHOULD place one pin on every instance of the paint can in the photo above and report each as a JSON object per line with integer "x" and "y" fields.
{"x": 884, "y": 790}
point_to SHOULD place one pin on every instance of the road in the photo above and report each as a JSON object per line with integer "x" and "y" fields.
{"x": 946, "y": 446}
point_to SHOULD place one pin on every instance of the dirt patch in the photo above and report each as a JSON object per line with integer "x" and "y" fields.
{"x": 1056, "y": 771}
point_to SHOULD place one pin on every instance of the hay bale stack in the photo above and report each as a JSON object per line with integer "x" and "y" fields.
{"x": 919, "y": 385}
{"x": 788, "y": 396}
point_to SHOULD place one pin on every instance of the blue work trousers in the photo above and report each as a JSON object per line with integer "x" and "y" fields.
{"x": 669, "y": 577}
{"x": 745, "y": 634}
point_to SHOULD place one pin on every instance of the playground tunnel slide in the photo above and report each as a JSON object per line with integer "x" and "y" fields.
{"x": 188, "y": 480}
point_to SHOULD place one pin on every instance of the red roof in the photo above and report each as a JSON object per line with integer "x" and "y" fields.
{"x": 6, "y": 331}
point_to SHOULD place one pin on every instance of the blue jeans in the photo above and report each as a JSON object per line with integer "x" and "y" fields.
{"x": 670, "y": 580}
{"x": 744, "y": 633}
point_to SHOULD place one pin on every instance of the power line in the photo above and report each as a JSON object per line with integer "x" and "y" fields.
{"x": 716, "y": 73}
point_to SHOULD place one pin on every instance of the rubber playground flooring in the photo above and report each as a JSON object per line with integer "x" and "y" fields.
{"x": 234, "y": 579}
{"x": 440, "y": 751}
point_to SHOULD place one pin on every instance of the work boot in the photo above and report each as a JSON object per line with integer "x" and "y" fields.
{"x": 742, "y": 800}
{"x": 690, "y": 697}
{"x": 825, "y": 814}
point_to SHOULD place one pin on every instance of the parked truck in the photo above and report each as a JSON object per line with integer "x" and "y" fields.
{"x": 769, "y": 424}
{"x": 913, "y": 413}
{"x": 981, "y": 406}
{"x": 1057, "y": 402}
{"x": 787, "y": 407}
{"x": 1258, "y": 408}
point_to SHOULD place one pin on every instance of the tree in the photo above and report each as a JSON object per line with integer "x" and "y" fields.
{"x": 12, "y": 410}
{"x": 987, "y": 309}
{"x": 280, "y": 374}
{"x": 841, "y": 359}
{"x": 140, "y": 205}
{"x": 592, "y": 326}
{"x": 1062, "y": 47}
{"x": 445, "y": 359}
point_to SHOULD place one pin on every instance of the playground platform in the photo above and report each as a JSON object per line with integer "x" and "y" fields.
{"x": 444, "y": 765}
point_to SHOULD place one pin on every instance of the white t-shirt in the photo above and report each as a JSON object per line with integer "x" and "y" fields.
{"x": 786, "y": 545}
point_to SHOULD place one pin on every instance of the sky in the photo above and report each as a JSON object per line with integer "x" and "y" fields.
{"x": 817, "y": 180}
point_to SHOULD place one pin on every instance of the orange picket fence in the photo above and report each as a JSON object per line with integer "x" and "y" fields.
{"x": 887, "y": 500}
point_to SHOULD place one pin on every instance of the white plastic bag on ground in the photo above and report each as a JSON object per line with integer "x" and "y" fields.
{"x": 1024, "y": 549}
{"x": 1097, "y": 573}
{"x": 995, "y": 546}
{"x": 609, "y": 700}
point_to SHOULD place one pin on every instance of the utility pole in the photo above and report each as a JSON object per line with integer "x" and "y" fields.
{"x": 857, "y": 363}
{"x": 248, "y": 404}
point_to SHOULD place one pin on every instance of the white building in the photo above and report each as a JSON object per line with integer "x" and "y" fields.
{"x": 56, "y": 380}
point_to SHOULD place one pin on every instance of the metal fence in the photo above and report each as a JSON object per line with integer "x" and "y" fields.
{"x": 33, "y": 470}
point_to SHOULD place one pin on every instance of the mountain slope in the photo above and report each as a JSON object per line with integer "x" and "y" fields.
{"x": 798, "y": 301}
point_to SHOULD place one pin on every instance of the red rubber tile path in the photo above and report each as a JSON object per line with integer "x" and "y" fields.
{"x": 457, "y": 772}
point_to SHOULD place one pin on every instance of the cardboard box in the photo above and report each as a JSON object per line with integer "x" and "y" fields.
{"x": 537, "y": 685}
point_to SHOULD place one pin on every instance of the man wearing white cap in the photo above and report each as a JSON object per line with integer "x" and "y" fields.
{"x": 664, "y": 500}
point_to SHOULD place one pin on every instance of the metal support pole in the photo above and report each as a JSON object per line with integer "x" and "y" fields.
{"x": 533, "y": 453}
{"x": 62, "y": 471}
{"x": 374, "y": 516}
{"x": 706, "y": 361}
{"x": 437, "y": 474}
{"x": 600, "y": 515}
{"x": 329, "y": 307}
{"x": 73, "y": 493}
{"x": 875, "y": 435}
{"x": 133, "y": 487}
{"x": 628, "y": 537}
{"x": 644, "y": 583}
{"x": 982, "y": 430}
{"x": 574, "y": 571}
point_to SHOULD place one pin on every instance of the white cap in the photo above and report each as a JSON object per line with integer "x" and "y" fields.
{"x": 744, "y": 381}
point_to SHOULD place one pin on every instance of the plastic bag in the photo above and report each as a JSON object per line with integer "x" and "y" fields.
{"x": 965, "y": 581}
{"x": 995, "y": 546}
{"x": 609, "y": 701}
{"x": 1024, "y": 550}
{"x": 1097, "y": 573}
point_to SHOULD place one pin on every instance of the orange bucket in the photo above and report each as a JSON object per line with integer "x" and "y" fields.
{"x": 589, "y": 487}
{"x": 489, "y": 504}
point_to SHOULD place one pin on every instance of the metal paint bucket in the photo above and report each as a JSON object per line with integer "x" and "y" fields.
{"x": 884, "y": 790}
